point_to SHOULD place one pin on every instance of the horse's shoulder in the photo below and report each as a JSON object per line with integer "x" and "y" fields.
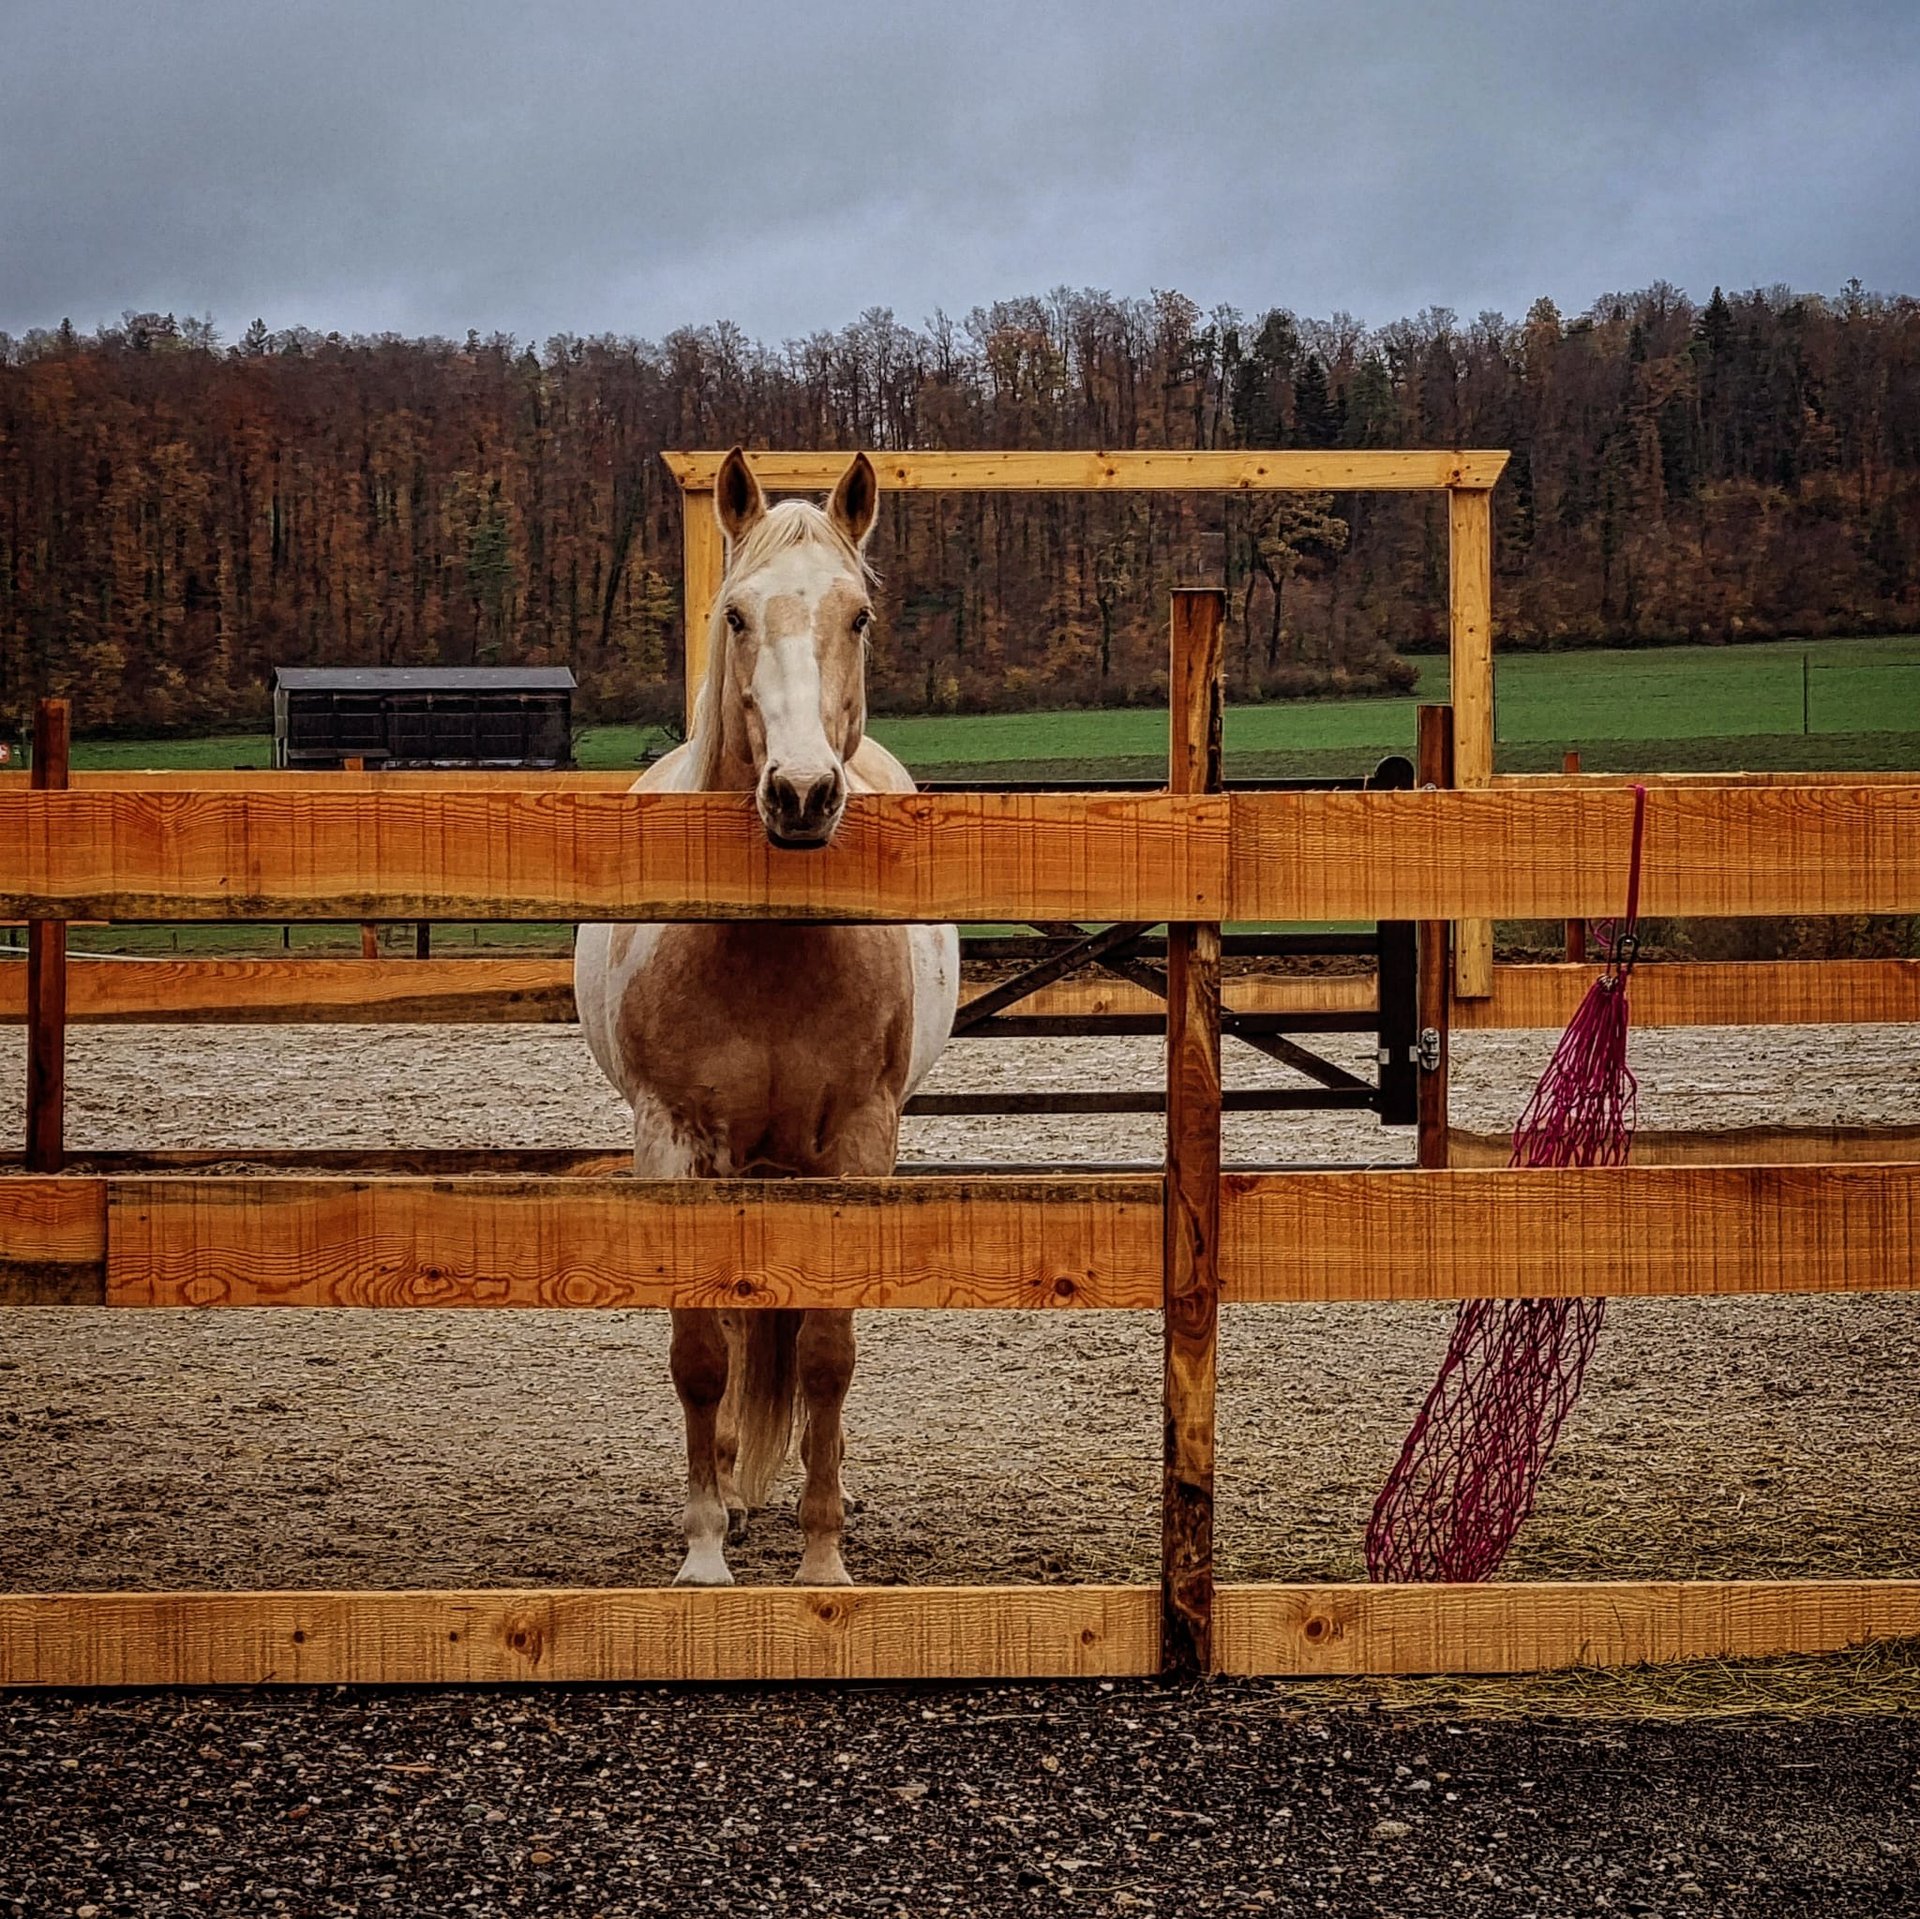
{"x": 670, "y": 773}
{"x": 875, "y": 770}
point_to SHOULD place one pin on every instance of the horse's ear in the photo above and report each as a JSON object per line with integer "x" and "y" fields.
{"x": 737, "y": 499}
{"x": 856, "y": 500}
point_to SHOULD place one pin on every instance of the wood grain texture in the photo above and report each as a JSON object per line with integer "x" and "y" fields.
{"x": 1738, "y": 1146}
{"x": 1470, "y": 646}
{"x": 1191, "y": 1244}
{"x": 239, "y": 992}
{"x": 1536, "y": 782}
{"x": 560, "y": 855}
{"x": 1017, "y": 1243}
{"x": 1020, "y": 1242}
{"x": 435, "y": 992}
{"x": 1471, "y": 1234}
{"x": 53, "y": 1241}
{"x": 244, "y": 779}
{"x": 423, "y": 1162}
{"x": 1710, "y": 993}
{"x": 1547, "y": 853}
{"x": 1536, "y": 1627}
{"x": 1134, "y": 470}
{"x": 453, "y": 991}
{"x": 703, "y": 560}
{"x": 558, "y": 1635}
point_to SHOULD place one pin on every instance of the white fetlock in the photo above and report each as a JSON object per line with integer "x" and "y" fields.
{"x": 822, "y": 1566}
{"x": 704, "y": 1565}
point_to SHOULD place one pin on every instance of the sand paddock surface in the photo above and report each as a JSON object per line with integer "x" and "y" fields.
{"x": 1738, "y": 1437}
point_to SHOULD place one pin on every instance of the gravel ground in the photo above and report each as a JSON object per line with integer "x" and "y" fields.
{"x": 1129, "y": 1799}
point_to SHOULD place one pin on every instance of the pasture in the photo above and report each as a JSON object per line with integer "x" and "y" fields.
{"x": 1673, "y": 708}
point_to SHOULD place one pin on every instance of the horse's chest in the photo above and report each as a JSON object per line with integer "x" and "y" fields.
{"x": 766, "y": 1041}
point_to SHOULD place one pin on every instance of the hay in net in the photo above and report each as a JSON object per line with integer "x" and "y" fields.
{"x": 1466, "y": 1478}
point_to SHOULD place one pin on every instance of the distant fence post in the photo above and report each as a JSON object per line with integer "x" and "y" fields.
{"x": 47, "y": 969}
{"x": 1191, "y": 1276}
{"x": 1576, "y": 929}
{"x": 1470, "y": 646}
{"x": 1433, "y": 767}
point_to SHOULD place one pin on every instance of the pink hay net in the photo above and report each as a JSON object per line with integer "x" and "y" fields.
{"x": 1466, "y": 1477}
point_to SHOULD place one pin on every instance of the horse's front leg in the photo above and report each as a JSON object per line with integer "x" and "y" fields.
{"x": 824, "y": 1368}
{"x": 698, "y": 1359}
{"x": 825, "y": 1365}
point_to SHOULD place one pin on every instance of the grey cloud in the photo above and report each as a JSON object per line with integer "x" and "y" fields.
{"x": 588, "y": 167}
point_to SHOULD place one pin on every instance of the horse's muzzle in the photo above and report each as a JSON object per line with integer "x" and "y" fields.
{"x": 802, "y": 813}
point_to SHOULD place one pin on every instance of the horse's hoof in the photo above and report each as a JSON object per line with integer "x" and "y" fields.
{"x": 822, "y": 1572}
{"x": 703, "y": 1566}
{"x": 736, "y": 1525}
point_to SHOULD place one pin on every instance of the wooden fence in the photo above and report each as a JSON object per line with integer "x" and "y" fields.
{"x": 1182, "y": 1244}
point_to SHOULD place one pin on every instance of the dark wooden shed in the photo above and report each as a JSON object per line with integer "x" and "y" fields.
{"x": 428, "y": 716}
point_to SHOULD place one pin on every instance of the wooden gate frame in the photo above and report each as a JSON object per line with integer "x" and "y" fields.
{"x": 1467, "y": 478}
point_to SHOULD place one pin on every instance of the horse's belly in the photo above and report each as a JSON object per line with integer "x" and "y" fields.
{"x": 765, "y": 1046}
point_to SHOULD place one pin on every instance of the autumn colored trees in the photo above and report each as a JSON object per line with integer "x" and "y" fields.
{"x": 177, "y": 516}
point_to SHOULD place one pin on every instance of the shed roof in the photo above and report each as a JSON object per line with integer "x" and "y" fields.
{"x": 424, "y": 679}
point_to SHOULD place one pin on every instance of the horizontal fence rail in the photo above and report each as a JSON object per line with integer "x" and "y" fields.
{"x": 137, "y": 990}
{"x": 1492, "y": 852}
{"x": 482, "y": 856}
{"x": 1518, "y": 853}
{"x": 1006, "y": 1242}
{"x": 1163, "y": 471}
{"x": 587, "y": 1634}
{"x": 242, "y": 779}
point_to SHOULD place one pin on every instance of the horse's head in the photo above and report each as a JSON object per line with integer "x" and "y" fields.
{"x": 786, "y": 693}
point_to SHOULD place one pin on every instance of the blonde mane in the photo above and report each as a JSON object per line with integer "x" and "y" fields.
{"x": 782, "y": 528}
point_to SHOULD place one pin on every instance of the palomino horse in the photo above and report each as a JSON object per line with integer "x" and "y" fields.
{"x": 770, "y": 1048}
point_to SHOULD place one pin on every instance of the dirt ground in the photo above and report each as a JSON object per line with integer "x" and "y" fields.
{"x": 1728, "y": 1437}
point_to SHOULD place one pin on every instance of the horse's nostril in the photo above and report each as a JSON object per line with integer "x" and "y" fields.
{"x": 822, "y": 795}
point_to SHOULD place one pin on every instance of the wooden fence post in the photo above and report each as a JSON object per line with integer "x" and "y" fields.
{"x": 1576, "y": 929}
{"x": 1434, "y": 767}
{"x": 1470, "y": 646}
{"x": 1191, "y": 1278}
{"x": 47, "y": 970}
{"x": 703, "y": 565}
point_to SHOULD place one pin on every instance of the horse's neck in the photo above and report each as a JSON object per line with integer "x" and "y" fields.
{"x": 717, "y": 756}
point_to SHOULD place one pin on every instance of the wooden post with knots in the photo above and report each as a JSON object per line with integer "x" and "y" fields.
{"x": 1470, "y": 649}
{"x": 1191, "y": 1252}
{"x": 703, "y": 565}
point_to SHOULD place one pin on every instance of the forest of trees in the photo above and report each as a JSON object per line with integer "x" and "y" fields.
{"x": 178, "y": 515}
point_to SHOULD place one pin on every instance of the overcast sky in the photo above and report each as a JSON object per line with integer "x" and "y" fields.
{"x": 612, "y": 165}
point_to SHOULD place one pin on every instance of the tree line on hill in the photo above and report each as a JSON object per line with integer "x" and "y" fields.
{"x": 181, "y": 515}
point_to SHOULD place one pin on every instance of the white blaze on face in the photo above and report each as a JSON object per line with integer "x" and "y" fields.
{"x": 787, "y": 693}
{"x": 799, "y": 607}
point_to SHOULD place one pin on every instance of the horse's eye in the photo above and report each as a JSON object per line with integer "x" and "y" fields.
{"x": 862, "y": 620}
{"x": 735, "y": 621}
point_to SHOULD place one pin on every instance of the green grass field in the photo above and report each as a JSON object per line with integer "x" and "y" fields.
{"x": 1846, "y": 704}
